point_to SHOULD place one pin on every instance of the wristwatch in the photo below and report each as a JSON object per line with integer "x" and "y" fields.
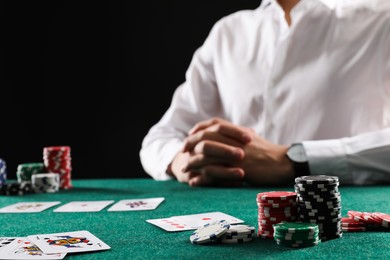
{"x": 297, "y": 155}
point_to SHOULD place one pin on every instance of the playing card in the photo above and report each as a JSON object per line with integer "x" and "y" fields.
{"x": 28, "y": 207}
{"x": 22, "y": 248}
{"x": 68, "y": 242}
{"x": 136, "y": 204}
{"x": 4, "y": 241}
{"x": 192, "y": 221}
{"x": 84, "y": 206}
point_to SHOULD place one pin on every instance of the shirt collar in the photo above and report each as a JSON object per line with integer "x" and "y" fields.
{"x": 329, "y": 3}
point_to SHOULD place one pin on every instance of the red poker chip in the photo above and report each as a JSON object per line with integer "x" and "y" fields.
{"x": 275, "y": 217}
{"x": 350, "y": 222}
{"x": 356, "y": 215}
{"x": 276, "y": 205}
{"x": 276, "y": 196}
{"x": 383, "y": 217}
{"x": 353, "y": 229}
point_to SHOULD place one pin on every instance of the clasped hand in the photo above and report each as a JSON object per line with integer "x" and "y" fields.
{"x": 219, "y": 153}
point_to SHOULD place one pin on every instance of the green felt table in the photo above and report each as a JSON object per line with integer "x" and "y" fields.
{"x": 131, "y": 237}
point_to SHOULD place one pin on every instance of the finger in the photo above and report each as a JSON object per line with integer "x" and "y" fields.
{"x": 205, "y": 124}
{"x": 226, "y": 135}
{"x": 193, "y": 140}
{"x": 223, "y": 127}
{"x": 213, "y": 153}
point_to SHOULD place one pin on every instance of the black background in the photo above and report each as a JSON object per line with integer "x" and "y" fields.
{"x": 95, "y": 76}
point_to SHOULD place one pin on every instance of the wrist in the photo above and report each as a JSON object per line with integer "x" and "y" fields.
{"x": 296, "y": 154}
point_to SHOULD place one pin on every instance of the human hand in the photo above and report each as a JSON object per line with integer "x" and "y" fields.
{"x": 212, "y": 145}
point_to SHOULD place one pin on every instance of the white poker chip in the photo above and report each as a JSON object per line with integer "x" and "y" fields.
{"x": 209, "y": 232}
{"x": 240, "y": 230}
{"x": 236, "y": 241}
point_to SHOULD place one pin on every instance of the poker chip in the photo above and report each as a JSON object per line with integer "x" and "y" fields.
{"x": 240, "y": 230}
{"x": 275, "y": 207}
{"x": 317, "y": 179}
{"x": 272, "y": 197}
{"x": 209, "y": 232}
{"x": 3, "y": 172}
{"x": 16, "y": 188}
{"x": 57, "y": 159}
{"x": 296, "y": 234}
{"x": 353, "y": 229}
{"x": 319, "y": 202}
{"x": 26, "y": 170}
{"x": 225, "y": 240}
{"x": 383, "y": 218}
{"x": 46, "y": 182}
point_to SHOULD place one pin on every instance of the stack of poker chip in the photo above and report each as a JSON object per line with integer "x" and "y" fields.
{"x": 26, "y": 170}
{"x": 222, "y": 232}
{"x": 3, "y": 172}
{"x": 46, "y": 182}
{"x": 275, "y": 207}
{"x": 57, "y": 159}
{"x": 319, "y": 202}
{"x": 296, "y": 234}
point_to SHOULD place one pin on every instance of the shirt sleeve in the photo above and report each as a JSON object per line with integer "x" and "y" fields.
{"x": 359, "y": 160}
{"x": 195, "y": 100}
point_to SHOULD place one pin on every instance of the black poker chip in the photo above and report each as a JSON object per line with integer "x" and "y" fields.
{"x": 319, "y": 202}
{"x": 317, "y": 179}
{"x": 16, "y": 188}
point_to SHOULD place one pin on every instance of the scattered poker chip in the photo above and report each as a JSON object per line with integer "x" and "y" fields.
{"x": 354, "y": 229}
{"x": 350, "y": 222}
{"x": 239, "y": 230}
{"x": 235, "y": 240}
{"x": 383, "y": 217}
{"x": 209, "y": 232}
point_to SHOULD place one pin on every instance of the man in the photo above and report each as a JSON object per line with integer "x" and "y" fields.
{"x": 291, "y": 88}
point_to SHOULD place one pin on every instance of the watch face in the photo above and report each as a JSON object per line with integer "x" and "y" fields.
{"x": 297, "y": 153}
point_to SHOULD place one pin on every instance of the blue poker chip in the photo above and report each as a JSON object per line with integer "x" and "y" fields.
{"x": 209, "y": 232}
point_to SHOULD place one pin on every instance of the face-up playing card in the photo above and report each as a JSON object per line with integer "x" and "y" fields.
{"x": 68, "y": 242}
{"x": 84, "y": 206}
{"x": 136, "y": 204}
{"x": 4, "y": 241}
{"x": 193, "y": 221}
{"x": 28, "y": 207}
{"x": 22, "y": 248}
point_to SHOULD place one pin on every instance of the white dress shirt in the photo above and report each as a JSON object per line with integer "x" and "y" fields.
{"x": 324, "y": 81}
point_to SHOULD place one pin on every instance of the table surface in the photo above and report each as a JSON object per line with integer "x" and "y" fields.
{"x": 131, "y": 237}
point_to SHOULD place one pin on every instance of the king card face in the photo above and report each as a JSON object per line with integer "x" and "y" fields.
{"x": 68, "y": 242}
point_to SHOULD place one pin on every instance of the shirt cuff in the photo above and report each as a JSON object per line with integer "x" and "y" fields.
{"x": 328, "y": 157}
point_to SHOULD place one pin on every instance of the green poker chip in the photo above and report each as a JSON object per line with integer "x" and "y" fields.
{"x": 295, "y": 227}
